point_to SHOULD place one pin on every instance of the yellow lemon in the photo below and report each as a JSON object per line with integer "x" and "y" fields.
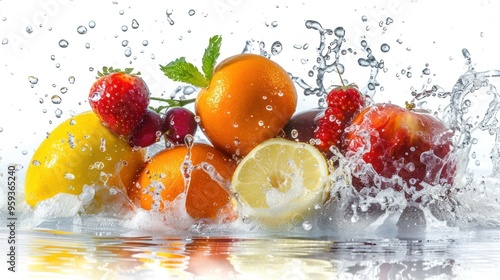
{"x": 280, "y": 182}
{"x": 80, "y": 151}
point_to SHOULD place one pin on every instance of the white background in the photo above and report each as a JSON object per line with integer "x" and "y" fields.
{"x": 422, "y": 32}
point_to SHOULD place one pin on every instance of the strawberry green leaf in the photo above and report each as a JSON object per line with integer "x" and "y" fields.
{"x": 182, "y": 71}
{"x": 111, "y": 70}
{"x": 210, "y": 56}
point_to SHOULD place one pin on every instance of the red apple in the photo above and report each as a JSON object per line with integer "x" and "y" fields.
{"x": 406, "y": 148}
{"x": 302, "y": 125}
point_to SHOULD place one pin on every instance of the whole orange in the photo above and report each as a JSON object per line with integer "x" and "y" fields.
{"x": 250, "y": 99}
{"x": 206, "y": 190}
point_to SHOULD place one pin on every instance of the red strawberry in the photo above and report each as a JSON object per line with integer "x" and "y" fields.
{"x": 330, "y": 127}
{"x": 343, "y": 102}
{"x": 120, "y": 99}
{"x": 346, "y": 98}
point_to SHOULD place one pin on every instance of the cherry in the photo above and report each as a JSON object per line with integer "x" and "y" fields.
{"x": 149, "y": 130}
{"x": 178, "y": 123}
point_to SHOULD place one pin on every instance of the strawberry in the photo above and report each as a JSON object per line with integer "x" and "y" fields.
{"x": 120, "y": 99}
{"x": 343, "y": 103}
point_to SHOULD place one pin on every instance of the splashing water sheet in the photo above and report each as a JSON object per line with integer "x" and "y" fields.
{"x": 443, "y": 59}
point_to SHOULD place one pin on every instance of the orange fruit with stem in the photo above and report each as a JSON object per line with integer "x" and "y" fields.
{"x": 244, "y": 100}
{"x": 201, "y": 172}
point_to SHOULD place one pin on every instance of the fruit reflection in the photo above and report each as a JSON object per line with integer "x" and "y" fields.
{"x": 209, "y": 257}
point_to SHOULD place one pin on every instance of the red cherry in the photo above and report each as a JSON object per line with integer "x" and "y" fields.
{"x": 148, "y": 132}
{"x": 179, "y": 122}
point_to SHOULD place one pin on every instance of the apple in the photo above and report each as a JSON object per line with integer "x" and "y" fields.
{"x": 407, "y": 149}
{"x": 302, "y": 125}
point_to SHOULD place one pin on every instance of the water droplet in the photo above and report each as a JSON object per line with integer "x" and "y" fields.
{"x": 102, "y": 147}
{"x": 269, "y": 107}
{"x": 408, "y": 74}
{"x": 145, "y": 42}
{"x": 128, "y": 52}
{"x": 40, "y": 100}
{"x": 81, "y": 30}
{"x": 56, "y": 99}
{"x": 92, "y": 24}
{"x": 121, "y": 12}
{"x": 33, "y": 80}
{"x": 339, "y": 32}
{"x": 124, "y": 28}
{"x": 385, "y": 47}
{"x": 306, "y": 225}
{"x": 53, "y": 57}
{"x": 189, "y": 140}
{"x": 125, "y": 43}
{"x": 58, "y": 113}
{"x": 191, "y": 12}
{"x": 29, "y": 29}
{"x": 71, "y": 79}
{"x": 169, "y": 19}
{"x": 69, "y": 176}
{"x": 63, "y": 43}
{"x": 36, "y": 162}
{"x": 389, "y": 21}
{"x": 274, "y": 24}
{"x": 354, "y": 218}
{"x": 294, "y": 133}
{"x": 24, "y": 152}
{"x": 276, "y": 48}
{"x": 5, "y": 41}
{"x": 426, "y": 71}
{"x": 135, "y": 24}
{"x": 63, "y": 90}
{"x": 364, "y": 18}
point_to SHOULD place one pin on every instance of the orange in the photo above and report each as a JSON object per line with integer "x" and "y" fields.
{"x": 250, "y": 99}
{"x": 206, "y": 191}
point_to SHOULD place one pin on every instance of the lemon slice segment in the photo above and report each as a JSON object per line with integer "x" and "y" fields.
{"x": 280, "y": 181}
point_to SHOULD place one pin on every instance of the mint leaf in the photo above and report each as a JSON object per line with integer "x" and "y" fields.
{"x": 182, "y": 71}
{"x": 210, "y": 56}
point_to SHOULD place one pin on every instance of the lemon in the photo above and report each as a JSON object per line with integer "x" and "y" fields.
{"x": 80, "y": 151}
{"x": 280, "y": 182}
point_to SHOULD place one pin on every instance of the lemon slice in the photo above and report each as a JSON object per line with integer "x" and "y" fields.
{"x": 280, "y": 182}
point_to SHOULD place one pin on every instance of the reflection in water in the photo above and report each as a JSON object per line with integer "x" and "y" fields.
{"x": 54, "y": 253}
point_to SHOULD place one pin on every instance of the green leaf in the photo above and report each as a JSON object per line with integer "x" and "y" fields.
{"x": 182, "y": 71}
{"x": 210, "y": 56}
